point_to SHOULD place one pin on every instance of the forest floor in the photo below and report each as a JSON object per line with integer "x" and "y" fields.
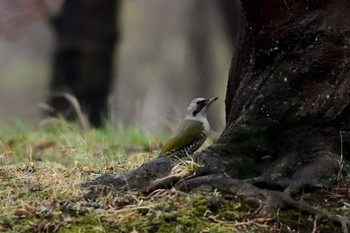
{"x": 41, "y": 171}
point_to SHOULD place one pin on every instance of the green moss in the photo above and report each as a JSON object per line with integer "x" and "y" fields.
{"x": 253, "y": 143}
{"x": 187, "y": 219}
{"x": 195, "y": 216}
{"x": 6, "y": 219}
{"x": 231, "y": 211}
{"x": 129, "y": 221}
{"x": 86, "y": 223}
{"x": 250, "y": 143}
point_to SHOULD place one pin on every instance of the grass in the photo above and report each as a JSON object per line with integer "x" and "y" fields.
{"x": 41, "y": 171}
{"x": 47, "y": 165}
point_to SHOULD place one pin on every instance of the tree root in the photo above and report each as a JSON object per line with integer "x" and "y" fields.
{"x": 292, "y": 174}
{"x": 264, "y": 201}
{"x": 136, "y": 179}
{"x": 210, "y": 171}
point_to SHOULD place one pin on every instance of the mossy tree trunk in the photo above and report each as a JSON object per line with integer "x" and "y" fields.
{"x": 288, "y": 91}
{"x": 287, "y": 109}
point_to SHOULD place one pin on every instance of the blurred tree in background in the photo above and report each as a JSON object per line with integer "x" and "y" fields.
{"x": 86, "y": 35}
{"x": 160, "y": 65}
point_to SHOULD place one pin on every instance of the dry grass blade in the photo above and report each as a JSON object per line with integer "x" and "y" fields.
{"x": 184, "y": 168}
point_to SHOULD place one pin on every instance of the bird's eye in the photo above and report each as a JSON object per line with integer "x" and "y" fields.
{"x": 200, "y": 102}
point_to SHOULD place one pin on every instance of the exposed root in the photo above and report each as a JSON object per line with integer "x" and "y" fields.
{"x": 138, "y": 178}
{"x": 293, "y": 174}
{"x": 263, "y": 201}
{"x": 205, "y": 171}
{"x": 182, "y": 170}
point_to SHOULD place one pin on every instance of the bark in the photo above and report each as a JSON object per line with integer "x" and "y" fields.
{"x": 287, "y": 106}
{"x": 86, "y": 33}
{"x": 289, "y": 90}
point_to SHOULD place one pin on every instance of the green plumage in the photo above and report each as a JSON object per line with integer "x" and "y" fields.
{"x": 188, "y": 138}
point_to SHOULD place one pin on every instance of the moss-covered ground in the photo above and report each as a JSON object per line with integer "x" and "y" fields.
{"x": 41, "y": 171}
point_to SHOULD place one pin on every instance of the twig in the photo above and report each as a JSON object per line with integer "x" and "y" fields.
{"x": 341, "y": 161}
{"x": 314, "y": 229}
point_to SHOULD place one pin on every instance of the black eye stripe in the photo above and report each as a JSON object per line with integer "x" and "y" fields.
{"x": 200, "y": 102}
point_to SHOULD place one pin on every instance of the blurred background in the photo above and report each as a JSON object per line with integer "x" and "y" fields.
{"x": 156, "y": 71}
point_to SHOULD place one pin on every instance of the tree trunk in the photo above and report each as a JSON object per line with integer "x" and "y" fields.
{"x": 86, "y": 34}
{"x": 287, "y": 109}
{"x": 288, "y": 91}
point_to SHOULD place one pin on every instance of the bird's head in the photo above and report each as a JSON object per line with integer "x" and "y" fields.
{"x": 198, "y": 108}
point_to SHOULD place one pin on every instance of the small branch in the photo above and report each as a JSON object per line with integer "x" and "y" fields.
{"x": 341, "y": 160}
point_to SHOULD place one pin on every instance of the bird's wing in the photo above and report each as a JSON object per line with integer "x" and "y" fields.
{"x": 187, "y": 132}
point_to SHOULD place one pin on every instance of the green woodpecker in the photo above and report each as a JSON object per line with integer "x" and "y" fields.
{"x": 191, "y": 133}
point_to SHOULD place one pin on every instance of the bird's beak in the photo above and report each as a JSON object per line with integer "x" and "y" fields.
{"x": 209, "y": 101}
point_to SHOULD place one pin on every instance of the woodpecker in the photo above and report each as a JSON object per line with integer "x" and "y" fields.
{"x": 191, "y": 133}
